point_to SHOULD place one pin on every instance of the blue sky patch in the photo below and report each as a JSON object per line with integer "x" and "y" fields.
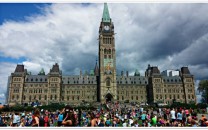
{"x": 12, "y": 60}
{"x": 18, "y": 11}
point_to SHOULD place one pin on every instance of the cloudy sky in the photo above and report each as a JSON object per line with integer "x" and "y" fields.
{"x": 165, "y": 35}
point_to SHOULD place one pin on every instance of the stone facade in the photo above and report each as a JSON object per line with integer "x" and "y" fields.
{"x": 101, "y": 84}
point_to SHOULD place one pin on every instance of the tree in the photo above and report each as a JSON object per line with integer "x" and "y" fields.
{"x": 203, "y": 87}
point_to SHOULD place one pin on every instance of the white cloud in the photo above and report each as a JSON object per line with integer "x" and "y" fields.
{"x": 5, "y": 71}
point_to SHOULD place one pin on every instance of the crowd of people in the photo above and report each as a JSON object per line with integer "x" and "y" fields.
{"x": 106, "y": 115}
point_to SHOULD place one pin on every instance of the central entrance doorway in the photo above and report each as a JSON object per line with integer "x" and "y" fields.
{"x": 108, "y": 97}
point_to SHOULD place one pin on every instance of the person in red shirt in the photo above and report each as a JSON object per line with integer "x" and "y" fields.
{"x": 35, "y": 121}
{"x": 46, "y": 121}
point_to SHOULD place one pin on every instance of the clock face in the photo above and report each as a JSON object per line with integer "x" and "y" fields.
{"x": 106, "y": 27}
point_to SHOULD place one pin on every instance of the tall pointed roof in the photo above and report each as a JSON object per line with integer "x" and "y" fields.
{"x": 42, "y": 72}
{"x": 106, "y": 15}
{"x": 96, "y": 69}
{"x": 136, "y": 73}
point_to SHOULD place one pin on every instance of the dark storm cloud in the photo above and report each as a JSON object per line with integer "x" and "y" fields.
{"x": 173, "y": 30}
{"x": 163, "y": 35}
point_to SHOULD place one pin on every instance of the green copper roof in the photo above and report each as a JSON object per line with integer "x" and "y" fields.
{"x": 42, "y": 72}
{"x": 92, "y": 72}
{"x": 136, "y": 73}
{"x": 106, "y": 15}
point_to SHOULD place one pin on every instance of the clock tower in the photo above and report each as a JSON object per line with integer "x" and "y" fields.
{"x": 107, "y": 58}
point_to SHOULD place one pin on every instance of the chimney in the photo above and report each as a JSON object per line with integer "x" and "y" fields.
{"x": 127, "y": 73}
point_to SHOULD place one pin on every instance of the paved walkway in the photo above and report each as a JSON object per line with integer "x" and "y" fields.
{"x": 199, "y": 115}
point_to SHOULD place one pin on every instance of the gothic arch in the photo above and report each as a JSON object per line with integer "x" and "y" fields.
{"x": 105, "y": 51}
{"x": 108, "y": 97}
{"x": 108, "y": 82}
{"x": 109, "y": 51}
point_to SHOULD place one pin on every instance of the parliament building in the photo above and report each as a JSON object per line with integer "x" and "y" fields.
{"x": 103, "y": 83}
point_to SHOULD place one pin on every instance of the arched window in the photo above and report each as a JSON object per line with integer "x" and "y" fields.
{"x": 109, "y": 51}
{"x": 108, "y": 82}
{"x": 122, "y": 98}
{"x": 30, "y": 97}
{"x": 132, "y": 98}
{"x": 136, "y": 97}
{"x": 105, "y": 51}
{"x": 45, "y": 97}
{"x": 39, "y": 97}
{"x": 24, "y": 98}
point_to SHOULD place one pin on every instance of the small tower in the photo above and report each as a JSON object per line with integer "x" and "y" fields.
{"x": 96, "y": 69}
{"x": 136, "y": 73}
{"x": 42, "y": 72}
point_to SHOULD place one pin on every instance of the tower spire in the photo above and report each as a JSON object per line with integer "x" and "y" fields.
{"x": 106, "y": 15}
{"x": 96, "y": 70}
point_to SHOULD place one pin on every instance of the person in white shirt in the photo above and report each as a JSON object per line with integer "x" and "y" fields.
{"x": 15, "y": 120}
{"x": 125, "y": 123}
{"x": 172, "y": 115}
